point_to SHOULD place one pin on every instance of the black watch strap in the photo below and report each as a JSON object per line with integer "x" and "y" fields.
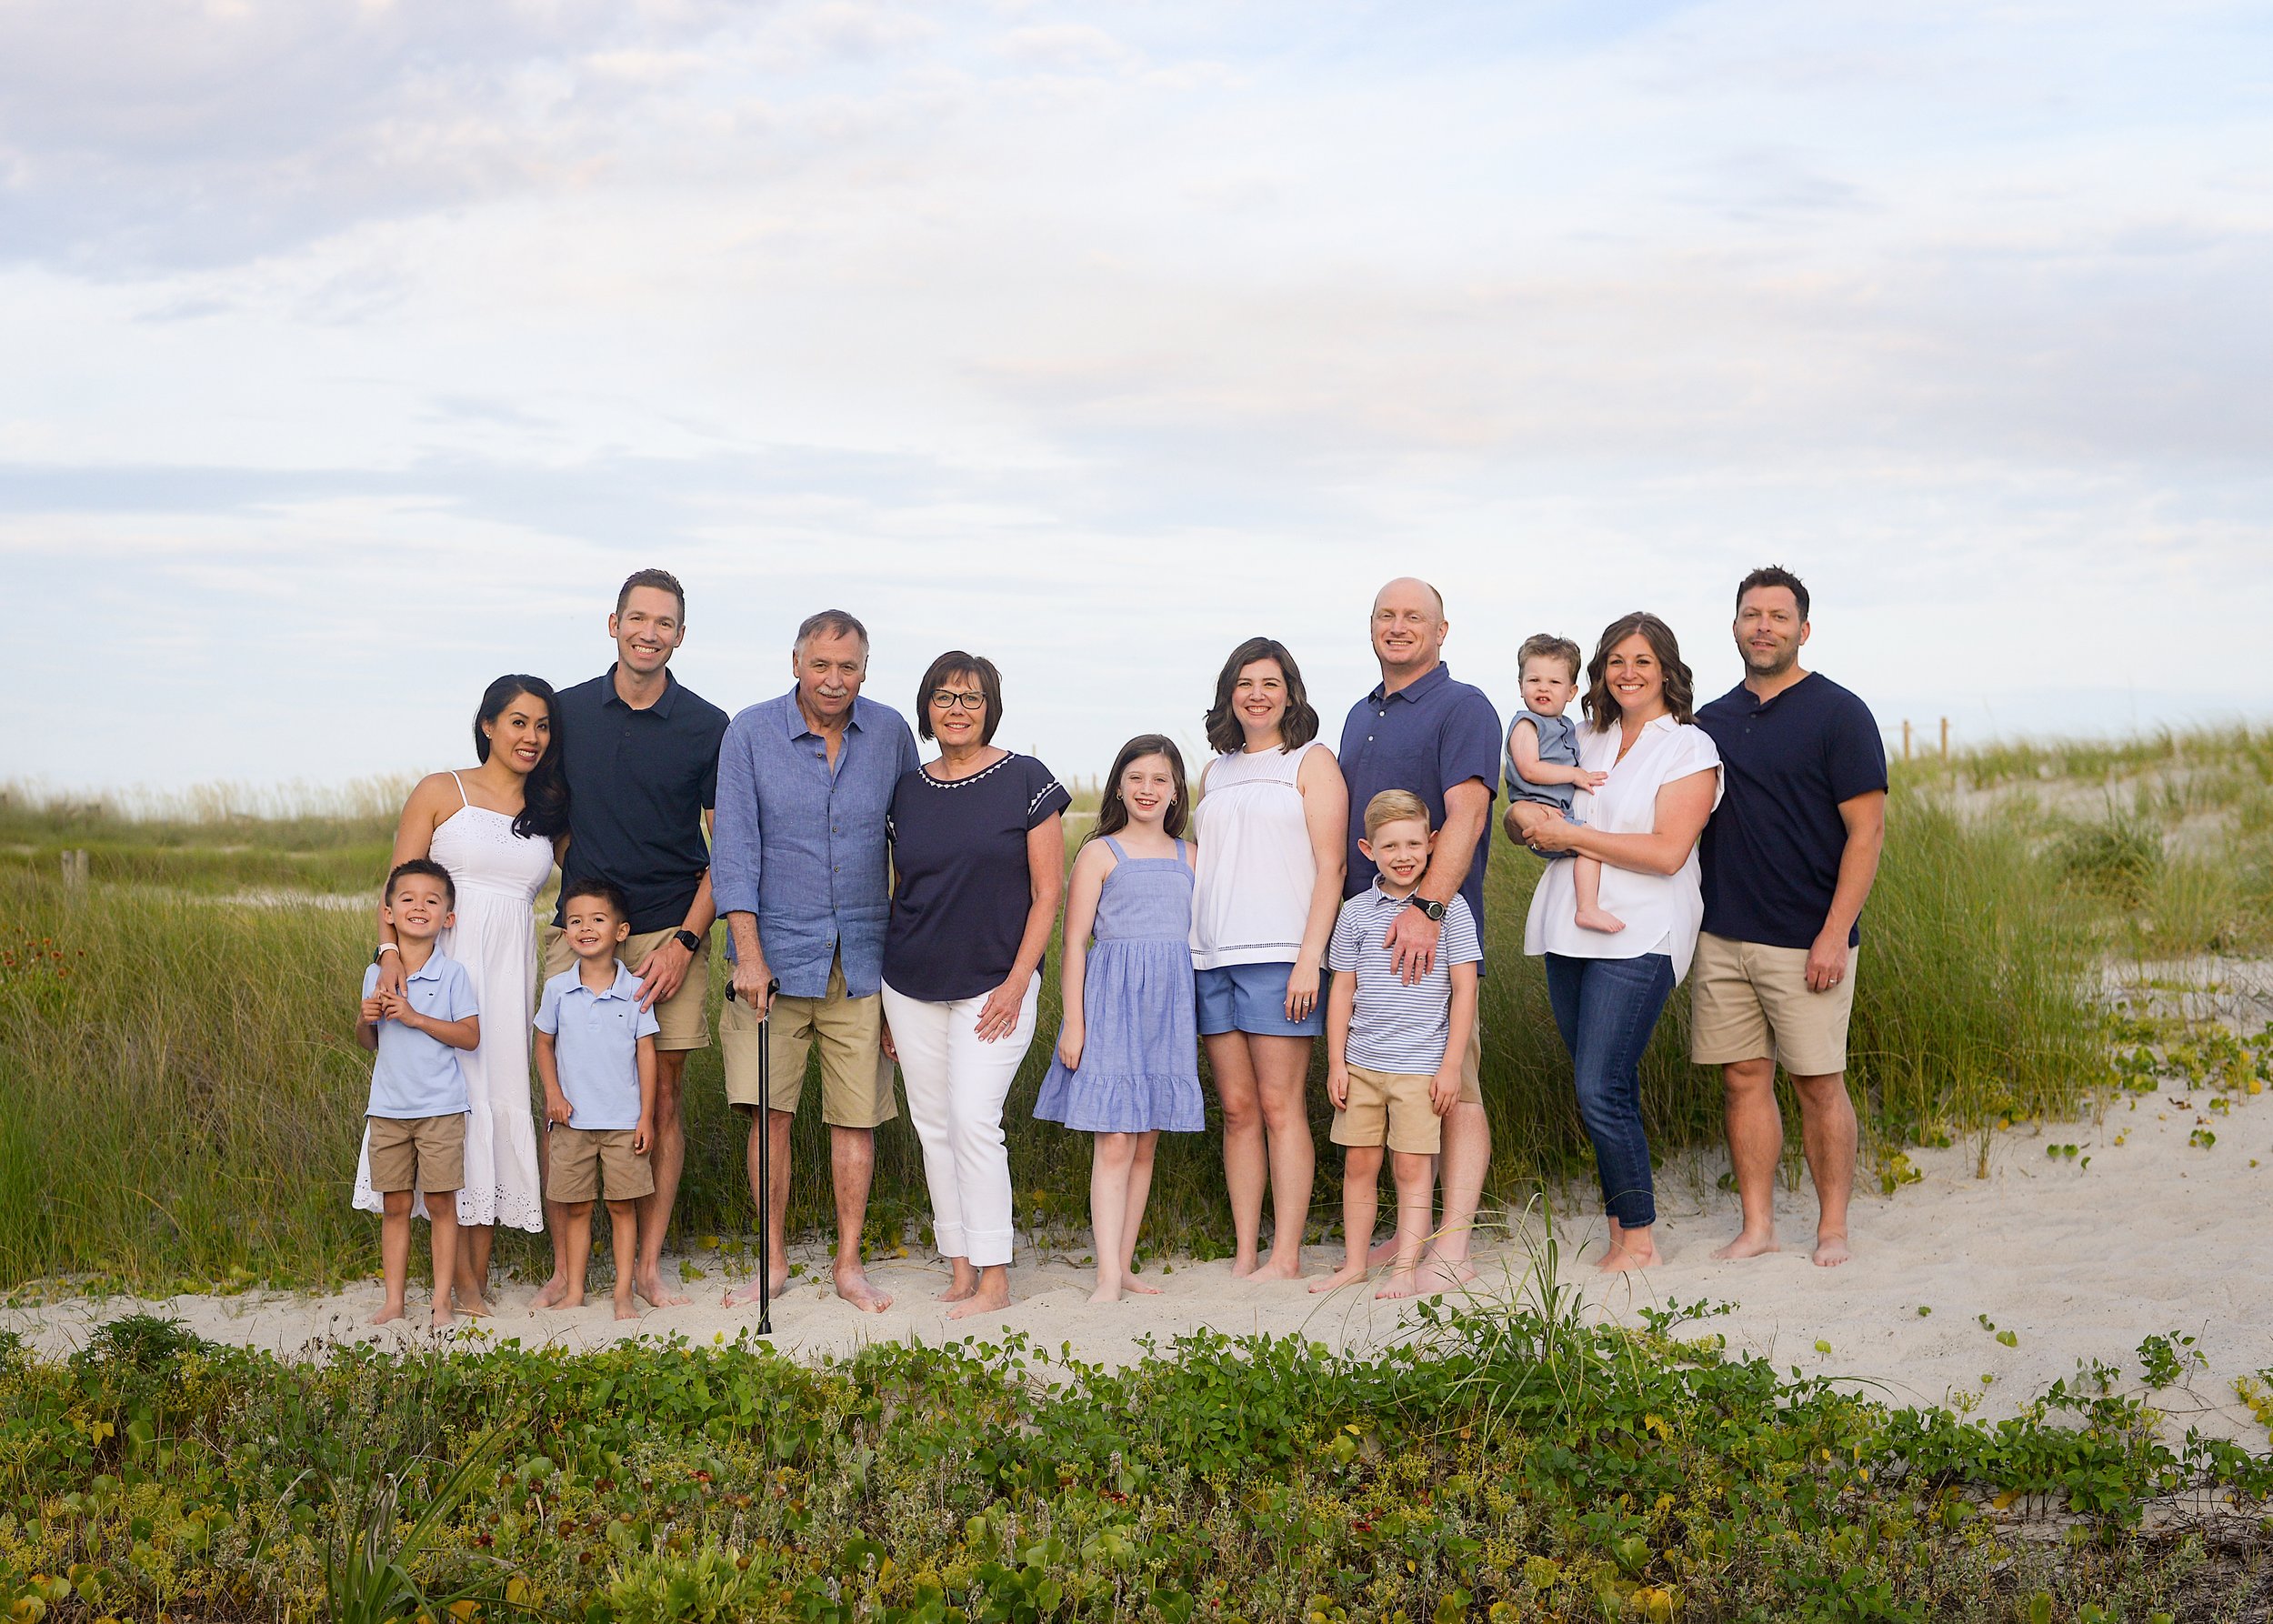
{"x": 1435, "y": 910}
{"x": 688, "y": 940}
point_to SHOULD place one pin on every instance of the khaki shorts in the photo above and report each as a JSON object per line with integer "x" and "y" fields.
{"x": 424, "y": 1152}
{"x": 681, "y": 1015}
{"x": 1389, "y": 1107}
{"x": 1472, "y": 1061}
{"x": 1751, "y": 1002}
{"x": 856, "y": 1077}
{"x": 582, "y": 1162}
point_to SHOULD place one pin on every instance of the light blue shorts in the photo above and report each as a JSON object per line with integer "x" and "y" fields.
{"x": 1252, "y": 997}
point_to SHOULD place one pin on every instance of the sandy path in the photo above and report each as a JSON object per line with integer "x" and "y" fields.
{"x": 2154, "y": 1237}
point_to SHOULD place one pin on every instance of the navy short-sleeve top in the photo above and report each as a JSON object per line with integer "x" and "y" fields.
{"x": 961, "y": 887}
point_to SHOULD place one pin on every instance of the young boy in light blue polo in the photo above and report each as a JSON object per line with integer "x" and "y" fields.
{"x": 1393, "y": 1048}
{"x": 415, "y": 1118}
{"x": 595, "y": 1057}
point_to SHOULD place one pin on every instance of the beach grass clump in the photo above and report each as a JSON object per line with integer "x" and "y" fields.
{"x": 1504, "y": 1464}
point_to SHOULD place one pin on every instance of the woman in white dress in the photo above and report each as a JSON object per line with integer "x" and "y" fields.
{"x": 496, "y": 827}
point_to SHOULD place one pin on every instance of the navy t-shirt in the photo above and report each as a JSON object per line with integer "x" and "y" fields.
{"x": 1771, "y": 853}
{"x": 639, "y": 782}
{"x": 1426, "y": 737}
{"x": 962, "y": 888}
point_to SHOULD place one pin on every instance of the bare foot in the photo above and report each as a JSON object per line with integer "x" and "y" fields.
{"x": 1349, "y": 1274}
{"x": 549, "y": 1295}
{"x": 1242, "y": 1266}
{"x": 443, "y": 1318}
{"x": 1402, "y": 1282}
{"x": 625, "y": 1307}
{"x": 1276, "y": 1270}
{"x": 1831, "y": 1251}
{"x": 1384, "y": 1251}
{"x": 1748, "y": 1245}
{"x": 388, "y": 1315}
{"x": 651, "y": 1288}
{"x": 1593, "y": 919}
{"x": 1631, "y": 1250}
{"x": 1131, "y": 1283}
{"x": 472, "y": 1305}
{"x": 1445, "y": 1274}
{"x": 740, "y": 1296}
{"x": 1107, "y": 1294}
{"x": 852, "y": 1285}
{"x": 982, "y": 1300}
{"x": 567, "y": 1299}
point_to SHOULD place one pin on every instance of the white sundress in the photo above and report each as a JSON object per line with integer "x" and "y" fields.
{"x": 499, "y": 875}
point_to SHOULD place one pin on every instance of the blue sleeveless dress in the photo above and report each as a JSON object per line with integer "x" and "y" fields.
{"x": 1140, "y": 1045}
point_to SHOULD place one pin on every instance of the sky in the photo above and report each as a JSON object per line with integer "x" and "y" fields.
{"x": 353, "y": 351}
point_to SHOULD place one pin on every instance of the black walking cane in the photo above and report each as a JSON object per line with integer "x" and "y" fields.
{"x": 764, "y": 1156}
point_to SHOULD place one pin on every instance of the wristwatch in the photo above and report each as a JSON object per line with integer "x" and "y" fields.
{"x": 382, "y": 951}
{"x": 1435, "y": 910}
{"x": 688, "y": 940}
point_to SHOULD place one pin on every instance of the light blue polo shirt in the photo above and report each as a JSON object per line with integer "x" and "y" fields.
{"x": 596, "y": 1046}
{"x": 418, "y": 1075}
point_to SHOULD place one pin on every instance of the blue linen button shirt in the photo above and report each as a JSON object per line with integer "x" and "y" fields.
{"x": 596, "y": 1046}
{"x": 804, "y": 848}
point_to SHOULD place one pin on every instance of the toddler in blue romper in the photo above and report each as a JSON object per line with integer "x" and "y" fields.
{"x": 1542, "y": 764}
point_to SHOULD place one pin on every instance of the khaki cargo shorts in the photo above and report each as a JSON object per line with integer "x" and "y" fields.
{"x": 1389, "y": 1107}
{"x": 680, "y": 1015}
{"x": 581, "y": 1163}
{"x": 1749, "y": 1001}
{"x": 856, "y": 1077}
{"x": 427, "y": 1153}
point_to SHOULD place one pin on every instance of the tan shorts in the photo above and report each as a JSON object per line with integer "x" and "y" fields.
{"x": 1751, "y": 1002}
{"x": 1389, "y": 1107}
{"x": 681, "y": 1015}
{"x": 856, "y": 1077}
{"x": 424, "y": 1152}
{"x": 583, "y": 1162}
{"x": 1472, "y": 1061}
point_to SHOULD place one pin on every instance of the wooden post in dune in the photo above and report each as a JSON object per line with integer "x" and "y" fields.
{"x": 1906, "y": 738}
{"x": 75, "y": 870}
{"x": 1945, "y": 739}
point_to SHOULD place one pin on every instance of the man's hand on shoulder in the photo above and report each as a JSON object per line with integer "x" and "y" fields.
{"x": 1412, "y": 944}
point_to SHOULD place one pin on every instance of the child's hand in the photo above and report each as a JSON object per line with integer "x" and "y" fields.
{"x": 393, "y": 1005}
{"x": 1444, "y": 1090}
{"x": 1587, "y": 780}
{"x": 643, "y": 1136}
{"x": 1070, "y": 1045}
{"x": 1338, "y": 1087}
{"x": 373, "y": 1009}
{"x": 556, "y": 1106}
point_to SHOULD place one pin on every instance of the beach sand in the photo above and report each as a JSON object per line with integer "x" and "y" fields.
{"x": 2156, "y": 1235}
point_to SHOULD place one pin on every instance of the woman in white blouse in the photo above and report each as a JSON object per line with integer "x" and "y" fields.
{"x": 1606, "y": 989}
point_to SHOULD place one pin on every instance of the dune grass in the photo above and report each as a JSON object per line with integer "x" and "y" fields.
{"x": 183, "y": 1095}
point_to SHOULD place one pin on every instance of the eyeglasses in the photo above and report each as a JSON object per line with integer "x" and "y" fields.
{"x": 949, "y": 699}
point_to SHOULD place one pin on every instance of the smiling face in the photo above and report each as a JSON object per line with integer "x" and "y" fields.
{"x": 520, "y": 734}
{"x": 1148, "y": 790}
{"x": 829, "y": 667}
{"x": 1636, "y": 679}
{"x": 1408, "y": 627}
{"x": 418, "y": 908}
{"x": 956, "y": 709}
{"x": 1258, "y": 698}
{"x": 1400, "y": 849}
{"x": 1769, "y": 630}
{"x": 592, "y": 927}
{"x": 647, "y": 630}
{"x": 1548, "y": 685}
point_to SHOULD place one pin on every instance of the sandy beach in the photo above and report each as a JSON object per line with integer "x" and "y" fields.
{"x": 2078, "y": 1261}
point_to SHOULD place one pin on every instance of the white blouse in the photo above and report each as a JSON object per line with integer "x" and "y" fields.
{"x": 1662, "y": 911}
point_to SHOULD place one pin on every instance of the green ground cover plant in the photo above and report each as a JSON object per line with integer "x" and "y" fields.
{"x": 1502, "y": 1465}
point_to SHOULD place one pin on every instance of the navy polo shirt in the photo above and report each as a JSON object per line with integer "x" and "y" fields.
{"x": 639, "y": 782}
{"x": 1771, "y": 853}
{"x": 1427, "y": 737}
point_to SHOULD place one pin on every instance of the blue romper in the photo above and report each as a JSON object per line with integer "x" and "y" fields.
{"x": 1140, "y": 1041}
{"x": 1558, "y": 743}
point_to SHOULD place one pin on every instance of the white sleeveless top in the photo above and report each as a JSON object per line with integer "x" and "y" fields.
{"x": 1251, "y": 898}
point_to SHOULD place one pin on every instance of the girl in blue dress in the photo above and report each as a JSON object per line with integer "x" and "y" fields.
{"x": 1128, "y": 1060}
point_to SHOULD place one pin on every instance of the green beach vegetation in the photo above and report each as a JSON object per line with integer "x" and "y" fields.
{"x": 183, "y": 1095}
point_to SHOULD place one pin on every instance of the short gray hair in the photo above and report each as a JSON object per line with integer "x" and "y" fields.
{"x": 835, "y": 623}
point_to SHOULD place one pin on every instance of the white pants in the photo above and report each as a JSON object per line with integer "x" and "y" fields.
{"x": 956, "y": 1088}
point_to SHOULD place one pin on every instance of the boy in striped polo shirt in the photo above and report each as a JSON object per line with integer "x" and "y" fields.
{"x": 1393, "y": 1047}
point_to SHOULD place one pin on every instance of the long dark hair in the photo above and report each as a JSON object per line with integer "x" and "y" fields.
{"x": 1113, "y": 812}
{"x": 1601, "y": 706}
{"x": 545, "y": 792}
{"x": 1298, "y": 727}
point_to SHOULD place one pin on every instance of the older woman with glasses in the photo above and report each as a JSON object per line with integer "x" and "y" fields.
{"x": 978, "y": 857}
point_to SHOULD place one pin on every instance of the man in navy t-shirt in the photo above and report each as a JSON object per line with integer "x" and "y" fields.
{"x": 1421, "y": 731}
{"x": 1788, "y": 859}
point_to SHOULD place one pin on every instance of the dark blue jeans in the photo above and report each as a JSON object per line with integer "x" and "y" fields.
{"x": 1605, "y": 1009}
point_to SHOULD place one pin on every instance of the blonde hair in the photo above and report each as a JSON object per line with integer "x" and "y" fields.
{"x": 1394, "y": 805}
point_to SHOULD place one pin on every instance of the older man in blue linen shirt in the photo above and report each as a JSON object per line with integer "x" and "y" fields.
{"x": 800, "y": 869}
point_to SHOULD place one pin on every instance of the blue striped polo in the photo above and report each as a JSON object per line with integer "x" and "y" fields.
{"x": 1396, "y": 1026}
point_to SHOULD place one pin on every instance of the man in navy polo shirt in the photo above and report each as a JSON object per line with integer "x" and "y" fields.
{"x": 640, "y": 751}
{"x": 1788, "y": 859}
{"x": 1421, "y": 731}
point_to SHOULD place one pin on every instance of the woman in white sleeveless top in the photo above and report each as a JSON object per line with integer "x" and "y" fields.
{"x": 495, "y": 827}
{"x": 1269, "y": 827}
